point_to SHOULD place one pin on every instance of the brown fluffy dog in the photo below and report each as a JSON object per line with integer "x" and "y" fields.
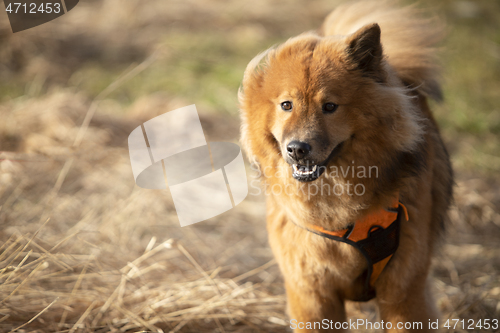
{"x": 351, "y": 96}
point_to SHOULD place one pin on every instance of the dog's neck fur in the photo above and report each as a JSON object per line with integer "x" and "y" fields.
{"x": 307, "y": 202}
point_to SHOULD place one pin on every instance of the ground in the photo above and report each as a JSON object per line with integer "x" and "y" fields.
{"x": 82, "y": 248}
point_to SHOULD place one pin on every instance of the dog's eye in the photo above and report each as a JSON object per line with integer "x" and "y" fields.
{"x": 287, "y": 106}
{"x": 330, "y": 107}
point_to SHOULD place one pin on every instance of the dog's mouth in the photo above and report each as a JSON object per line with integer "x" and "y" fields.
{"x": 311, "y": 172}
{"x": 307, "y": 173}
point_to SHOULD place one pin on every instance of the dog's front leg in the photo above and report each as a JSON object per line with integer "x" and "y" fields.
{"x": 412, "y": 312}
{"x": 311, "y": 312}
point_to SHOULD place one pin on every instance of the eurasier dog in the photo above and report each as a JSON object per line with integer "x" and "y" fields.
{"x": 357, "y": 176}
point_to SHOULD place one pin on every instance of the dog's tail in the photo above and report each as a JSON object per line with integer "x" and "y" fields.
{"x": 408, "y": 39}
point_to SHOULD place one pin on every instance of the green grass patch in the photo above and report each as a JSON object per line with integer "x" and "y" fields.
{"x": 205, "y": 69}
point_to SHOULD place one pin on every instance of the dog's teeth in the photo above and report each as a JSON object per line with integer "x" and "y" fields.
{"x": 304, "y": 170}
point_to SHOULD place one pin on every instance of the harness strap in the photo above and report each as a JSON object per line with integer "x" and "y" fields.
{"x": 376, "y": 236}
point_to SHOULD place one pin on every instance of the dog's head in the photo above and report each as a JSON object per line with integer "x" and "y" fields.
{"x": 316, "y": 98}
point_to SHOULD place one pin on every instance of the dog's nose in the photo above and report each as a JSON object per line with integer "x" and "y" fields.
{"x": 298, "y": 150}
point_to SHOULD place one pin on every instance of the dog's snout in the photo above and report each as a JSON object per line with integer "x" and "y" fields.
{"x": 298, "y": 150}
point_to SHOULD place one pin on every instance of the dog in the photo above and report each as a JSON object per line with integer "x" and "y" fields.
{"x": 338, "y": 125}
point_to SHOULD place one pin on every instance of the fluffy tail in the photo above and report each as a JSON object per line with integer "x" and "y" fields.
{"x": 408, "y": 39}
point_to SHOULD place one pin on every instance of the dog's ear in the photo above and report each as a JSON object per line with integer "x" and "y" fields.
{"x": 254, "y": 64}
{"x": 365, "y": 49}
{"x": 252, "y": 80}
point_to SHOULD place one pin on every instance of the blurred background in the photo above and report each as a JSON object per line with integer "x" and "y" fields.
{"x": 82, "y": 249}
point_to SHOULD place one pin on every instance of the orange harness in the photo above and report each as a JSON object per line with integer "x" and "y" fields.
{"x": 376, "y": 236}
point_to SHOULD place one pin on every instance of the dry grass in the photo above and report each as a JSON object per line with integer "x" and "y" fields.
{"x": 82, "y": 249}
{"x": 97, "y": 252}
{"x": 100, "y": 254}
